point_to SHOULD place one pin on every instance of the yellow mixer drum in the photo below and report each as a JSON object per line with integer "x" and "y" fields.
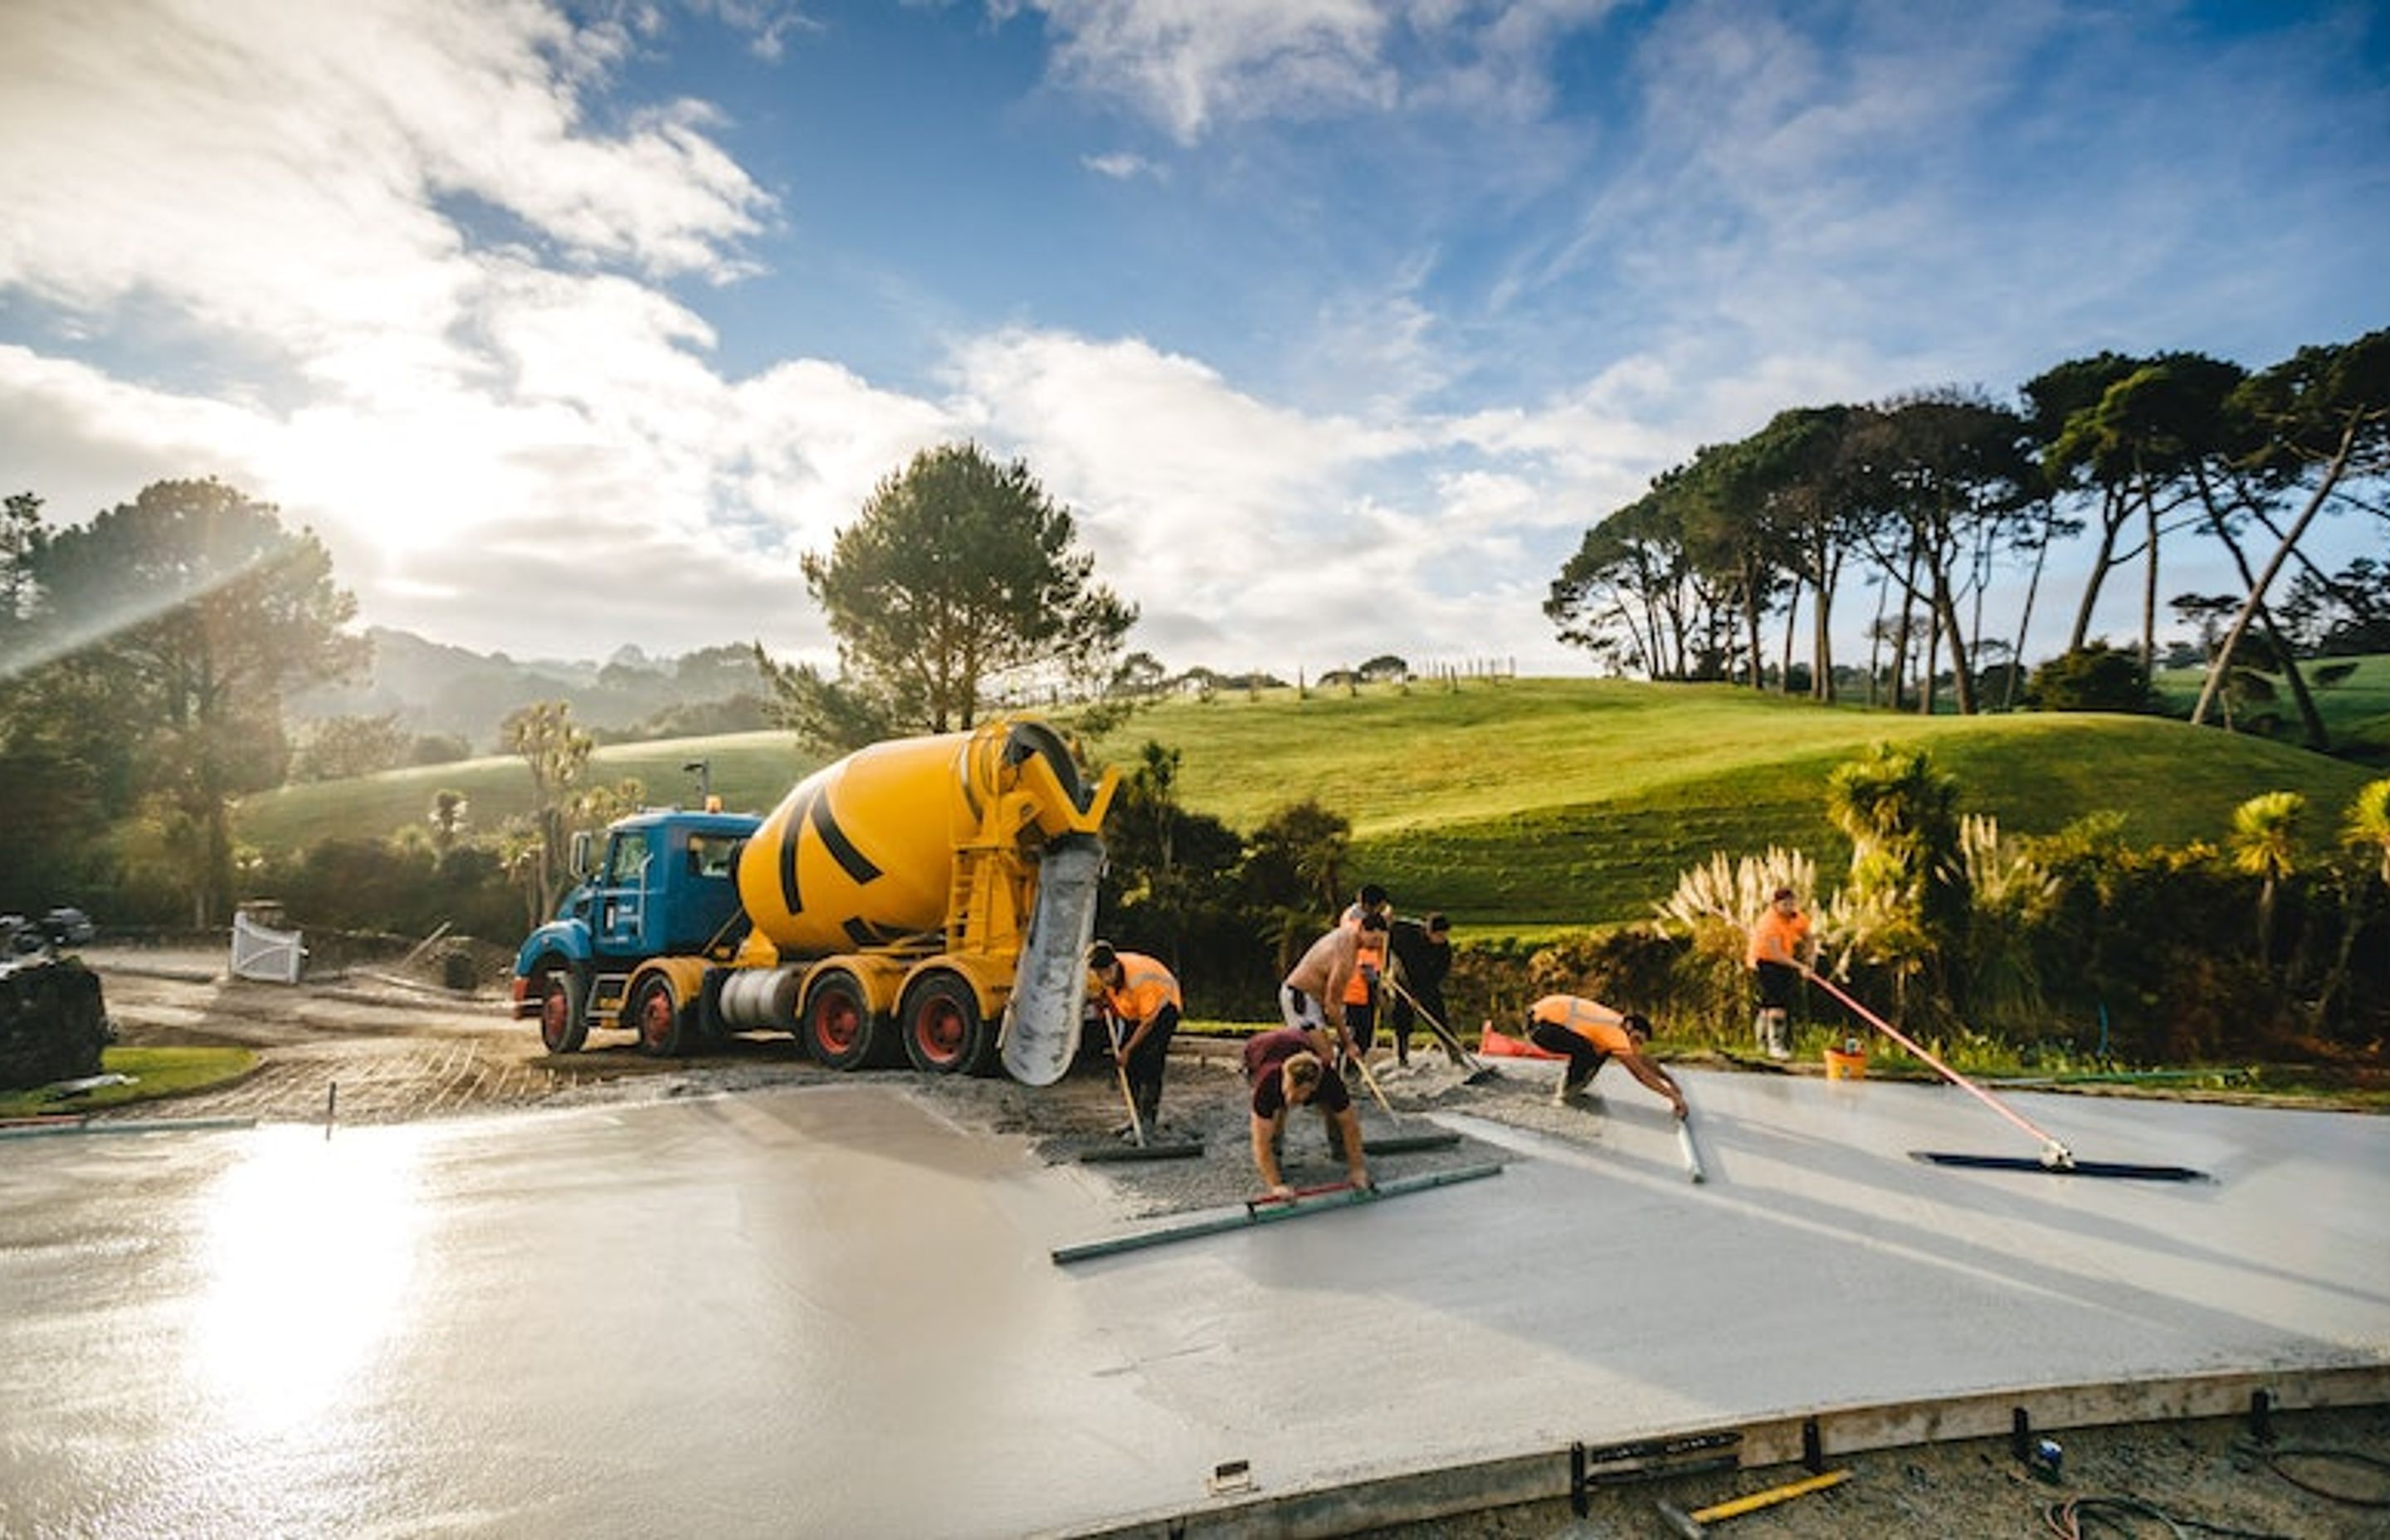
{"x": 861, "y": 853}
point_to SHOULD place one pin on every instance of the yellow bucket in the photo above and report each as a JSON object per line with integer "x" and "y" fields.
{"x": 1841, "y": 1065}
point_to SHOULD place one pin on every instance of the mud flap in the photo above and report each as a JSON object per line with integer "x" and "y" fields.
{"x": 1041, "y": 1025}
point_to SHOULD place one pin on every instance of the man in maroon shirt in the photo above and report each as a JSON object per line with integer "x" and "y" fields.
{"x": 1286, "y": 1072}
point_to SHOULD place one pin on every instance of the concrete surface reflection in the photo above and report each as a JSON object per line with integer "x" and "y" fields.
{"x": 307, "y": 1249}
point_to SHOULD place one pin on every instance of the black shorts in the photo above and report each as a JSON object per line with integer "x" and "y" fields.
{"x": 1776, "y": 984}
{"x": 1585, "y": 1059}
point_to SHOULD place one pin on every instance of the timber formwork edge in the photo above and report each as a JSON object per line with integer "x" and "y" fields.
{"x": 1423, "y": 1497}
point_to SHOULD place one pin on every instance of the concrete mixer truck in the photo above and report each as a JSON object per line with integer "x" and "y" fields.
{"x": 925, "y": 898}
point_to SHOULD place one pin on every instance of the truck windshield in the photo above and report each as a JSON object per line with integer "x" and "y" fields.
{"x": 628, "y": 866}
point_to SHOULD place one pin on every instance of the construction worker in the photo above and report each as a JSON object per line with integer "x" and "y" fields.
{"x": 1285, "y": 1072}
{"x": 1143, "y": 997}
{"x": 1422, "y": 957}
{"x": 1373, "y": 900}
{"x": 1361, "y": 990}
{"x": 1591, "y": 1034}
{"x": 1311, "y": 998}
{"x": 1781, "y": 948}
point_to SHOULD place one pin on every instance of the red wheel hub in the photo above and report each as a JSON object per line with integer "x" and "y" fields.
{"x": 941, "y": 1029}
{"x": 656, "y": 1016}
{"x": 836, "y": 1024}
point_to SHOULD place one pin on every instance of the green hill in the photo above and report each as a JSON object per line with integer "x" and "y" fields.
{"x": 2352, "y": 696}
{"x": 1520, "y": 805}
{"x": 749, "y": 770}
{"x": 1535, "y": 804}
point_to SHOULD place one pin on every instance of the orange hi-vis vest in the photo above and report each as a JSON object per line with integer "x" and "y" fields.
{"x": 1777, "y": 938}
{"x": 1372, "y": 954}
{"x": 1145, "y": 986}
{"x": 1596, "y": 1023}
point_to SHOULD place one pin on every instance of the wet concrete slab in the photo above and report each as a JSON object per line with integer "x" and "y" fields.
{"x": 831, "y": 1311}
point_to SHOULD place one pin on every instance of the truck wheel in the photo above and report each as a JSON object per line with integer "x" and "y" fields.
{"x": 944, "y": 1032}
{"x": 564, "y": 1010}
{"x": 661, "y": 1023}
{"x": 837, "y": 1027}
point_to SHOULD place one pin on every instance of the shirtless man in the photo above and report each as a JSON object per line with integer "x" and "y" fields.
{"x": 1312, "y": 998}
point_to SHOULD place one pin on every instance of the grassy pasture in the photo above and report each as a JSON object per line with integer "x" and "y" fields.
{"x": 1523, "y": 806}
{"x": 2356, "y": 712}
{"x": 1535, "y": 805}
{"x": 750, "y": 770}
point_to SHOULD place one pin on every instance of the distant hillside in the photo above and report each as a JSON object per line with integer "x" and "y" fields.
{"x": 1542, "y": 802}
{"x": 436, "y": 688}
{"x": 748, "y": 771}
{"x": 1520, "y": 805}
{"x": 2352, "y": 695}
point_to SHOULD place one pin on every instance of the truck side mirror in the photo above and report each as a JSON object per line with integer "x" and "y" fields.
{"x": 580, "y": 858}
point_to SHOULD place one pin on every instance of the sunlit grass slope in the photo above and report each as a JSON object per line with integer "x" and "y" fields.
{"x": 1522, "y": 805}
{"x": 2356, "y": 710}
{"x": 748, "y": 771}
{"x": 1535, "y": 804}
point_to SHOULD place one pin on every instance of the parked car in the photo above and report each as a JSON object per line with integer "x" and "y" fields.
{"x": 60, "y": 927}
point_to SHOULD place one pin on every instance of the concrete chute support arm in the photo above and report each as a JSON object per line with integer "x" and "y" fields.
{"x": 1044, "y": 797}
{"x": 1041, "y": 1025}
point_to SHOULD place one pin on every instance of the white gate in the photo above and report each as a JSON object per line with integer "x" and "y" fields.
{"x": 259, "y": 953}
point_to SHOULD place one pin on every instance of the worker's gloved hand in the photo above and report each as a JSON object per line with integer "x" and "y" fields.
{"x": 1369, "y": 972}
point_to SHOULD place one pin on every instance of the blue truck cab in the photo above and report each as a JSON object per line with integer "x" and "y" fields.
{"x": 666, "y": 884}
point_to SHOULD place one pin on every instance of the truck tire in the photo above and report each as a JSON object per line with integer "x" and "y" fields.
{"x": 944, "y": 1032}
{"x": 661, "y": 1019}
{"x": 837, "y": 1026}
{"x": 563, "y": 1009}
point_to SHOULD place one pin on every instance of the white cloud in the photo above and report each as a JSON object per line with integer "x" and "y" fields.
{"x": 1380, "y": 347}
{"x": 275, "y": 171}
{"x": 1156, "y": 448}
{"x": 1187, "y": 63}
{"x": 810, "y": 441}
{"x": 767, "y": 23}
{"x": 98, "y": 439}
{"x": 1192, "y": 66}
{"x": 1253, "y": 535}
{"x": 1121, "y": 166}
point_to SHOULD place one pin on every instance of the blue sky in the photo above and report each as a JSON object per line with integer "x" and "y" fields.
{"x": 1335, "y": 322}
